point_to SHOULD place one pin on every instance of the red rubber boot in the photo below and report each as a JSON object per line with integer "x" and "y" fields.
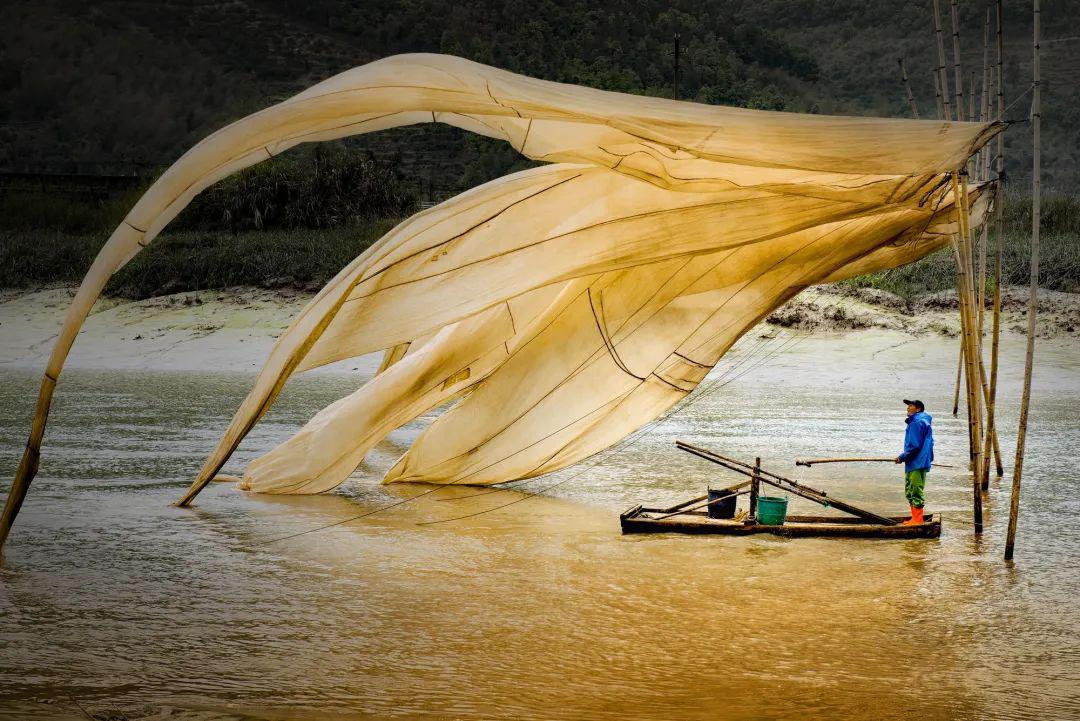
{"x": 916, "y": 517}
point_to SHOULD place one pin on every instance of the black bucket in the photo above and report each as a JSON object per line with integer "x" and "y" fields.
{"x": 724, "y": 508}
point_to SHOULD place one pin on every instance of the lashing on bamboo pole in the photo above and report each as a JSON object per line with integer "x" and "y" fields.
{"x": 1033, "y": 293}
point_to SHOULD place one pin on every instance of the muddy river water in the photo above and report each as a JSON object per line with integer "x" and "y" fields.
{"x": 114, "y": 604}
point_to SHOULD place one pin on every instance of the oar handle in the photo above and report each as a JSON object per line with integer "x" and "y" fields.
{"x": 813, "y": 461}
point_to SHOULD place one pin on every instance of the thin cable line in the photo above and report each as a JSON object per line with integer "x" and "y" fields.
{"x": 742, "y": 358}
{"x": 353, "y": 518}
{"x": 626, "y": 442}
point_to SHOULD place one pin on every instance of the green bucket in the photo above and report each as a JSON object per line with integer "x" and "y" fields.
{"x": 771, "y": 510}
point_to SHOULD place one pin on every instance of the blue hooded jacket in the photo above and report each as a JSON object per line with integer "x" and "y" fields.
{"x": 918, "y": 442}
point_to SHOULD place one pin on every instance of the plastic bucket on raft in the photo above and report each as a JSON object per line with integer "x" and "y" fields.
{"x": 722, "y": 508}
{"x": 771, "y": 510}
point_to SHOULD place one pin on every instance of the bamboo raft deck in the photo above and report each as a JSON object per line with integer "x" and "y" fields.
{"x": 640, "y": 519}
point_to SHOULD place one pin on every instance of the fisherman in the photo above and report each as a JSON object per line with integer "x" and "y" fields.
{"x": 917, "y": 457}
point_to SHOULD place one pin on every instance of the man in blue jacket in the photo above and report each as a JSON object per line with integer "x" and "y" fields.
{"x": 917, "y": 458}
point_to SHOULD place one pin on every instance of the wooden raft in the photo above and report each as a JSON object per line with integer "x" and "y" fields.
{"x": 640, "y": 519}
{"x": 692, "y": 516}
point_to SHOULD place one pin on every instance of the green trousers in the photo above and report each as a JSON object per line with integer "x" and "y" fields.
{"x": 915, "y": 487}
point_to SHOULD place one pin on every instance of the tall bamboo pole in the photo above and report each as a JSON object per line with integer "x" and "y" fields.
{"x": 959, "y": 370}
{"x": 979, "y": 379}
{"x": 941, "y": 86}
{"x": 907, "y": 89}
{"x": 963, "y": 265}
{"x": 1033, "y": 295}
{"x": 986, "y": 106}
{"x": 675, "y": 74}
{"x": 999, "y": 210}
{"x": 990, "y": 442}
{"x": 943, "y": 78}
{"x": 957, "y": 72}
{"x": 937, "y": 95}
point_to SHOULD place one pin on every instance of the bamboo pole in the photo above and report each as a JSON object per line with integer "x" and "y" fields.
{"x": 957, "y": 71}
{"x": 999, "y": 212}
{"x": 980, "y": 378}
{"x": 1033, "y": 296}
{"x": 963, "y": 265}
{"x": 675, "y": 74}
{"x": 985, "y": 106}
{"x": 959, "y": 370}
{"x": 907, "y": 89}
{"x": 937, "y": 95}
{"x": 941, "y": 86}
{"x": 990, "y": 442}
{"x": 983, "y": 160}
{"x": 943, "y": 78}
{"x": 971, "y": 98}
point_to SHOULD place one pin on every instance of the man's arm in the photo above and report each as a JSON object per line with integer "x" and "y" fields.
{"x": 918, "y": 438}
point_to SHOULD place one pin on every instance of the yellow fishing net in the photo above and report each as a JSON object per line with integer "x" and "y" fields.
{"x": 568, "y": 304}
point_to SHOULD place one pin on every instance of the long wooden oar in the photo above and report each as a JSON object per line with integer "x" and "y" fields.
{"x": 814, "y": 461}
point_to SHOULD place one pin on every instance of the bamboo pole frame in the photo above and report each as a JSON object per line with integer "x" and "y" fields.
{"x": 1033, "y": 295}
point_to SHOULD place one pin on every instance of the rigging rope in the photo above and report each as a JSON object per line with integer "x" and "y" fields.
{"x": 629, "y": 440}
{"x": 762, "y": 342}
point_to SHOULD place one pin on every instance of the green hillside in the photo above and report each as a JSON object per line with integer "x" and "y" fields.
{"x": 131, "y": 84}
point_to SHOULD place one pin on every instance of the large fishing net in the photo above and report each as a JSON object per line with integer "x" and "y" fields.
{"x": 567, "y": 305}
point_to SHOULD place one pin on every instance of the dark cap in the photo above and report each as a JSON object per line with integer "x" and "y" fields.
{"x": 917, "y": 404}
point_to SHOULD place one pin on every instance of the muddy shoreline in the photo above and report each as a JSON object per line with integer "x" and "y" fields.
{"x": 234, "y": 329}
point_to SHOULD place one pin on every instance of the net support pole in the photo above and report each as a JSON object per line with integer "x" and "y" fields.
{"x": 958, "y": 73}
{"x": 962, "y": 249}
{"x": 959, "y": 371}
{"x": 943, "y": 78}
{"x": 1033, "y": 293}
{"x": 907, "y": 89}
{"x": 999, "y": 213}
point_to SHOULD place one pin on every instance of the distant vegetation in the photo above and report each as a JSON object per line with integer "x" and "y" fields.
{"x": 135, "y": 83}
{"x": 126, "y": 87}
{"x": 215, "y": 246}
{"x": 295, "y": 221}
